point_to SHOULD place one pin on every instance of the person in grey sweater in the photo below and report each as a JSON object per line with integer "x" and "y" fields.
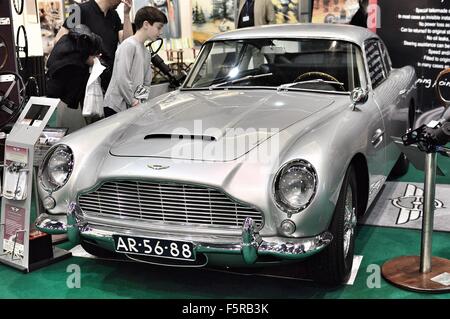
{"x": 132, "y": 64}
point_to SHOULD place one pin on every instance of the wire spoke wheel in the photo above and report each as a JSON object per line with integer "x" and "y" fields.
{"x": 349, "y": 221}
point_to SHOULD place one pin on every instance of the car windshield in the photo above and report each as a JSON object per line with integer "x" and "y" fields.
{"x": 304, "y": 64}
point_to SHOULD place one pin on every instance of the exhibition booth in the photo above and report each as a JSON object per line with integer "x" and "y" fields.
{"x": 263, "y": 137}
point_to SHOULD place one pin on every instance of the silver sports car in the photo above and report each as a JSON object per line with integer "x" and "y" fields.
{"x": 279, "y": 139}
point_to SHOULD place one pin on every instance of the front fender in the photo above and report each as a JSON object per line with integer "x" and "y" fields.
{"x": 329, "y": 144}
{"x": 90, "y": 146}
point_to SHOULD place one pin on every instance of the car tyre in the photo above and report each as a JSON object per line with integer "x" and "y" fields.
{"x": 400, "y": 168}
{"x": 333, "y": 265}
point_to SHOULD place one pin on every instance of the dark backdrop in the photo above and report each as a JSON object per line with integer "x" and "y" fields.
{"x": 6, "y": 32}
{"x": 400, "y": 32}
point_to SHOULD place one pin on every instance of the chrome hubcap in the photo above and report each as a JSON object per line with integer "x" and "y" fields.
{"x": 349, "y": 220}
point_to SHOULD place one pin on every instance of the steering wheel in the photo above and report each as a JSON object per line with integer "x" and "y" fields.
{"x": 9, "y": 110}
{"x": 319, "y": 75}
{"x": 155, "y": 46}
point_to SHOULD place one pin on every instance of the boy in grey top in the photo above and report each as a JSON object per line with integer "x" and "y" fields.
{"x": 132, "y": 64}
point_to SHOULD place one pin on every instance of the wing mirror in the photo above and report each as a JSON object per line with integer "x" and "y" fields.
{"x": 358, "y": 96}
{"x": 142, "y": 93}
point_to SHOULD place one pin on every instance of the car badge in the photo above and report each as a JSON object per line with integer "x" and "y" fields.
{"x": 158, "y": 167}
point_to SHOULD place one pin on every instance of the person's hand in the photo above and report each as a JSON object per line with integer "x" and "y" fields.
{"x": 135, "y": 103}
{"x": 90, "y": 60}
{"x": 127, "y": 6}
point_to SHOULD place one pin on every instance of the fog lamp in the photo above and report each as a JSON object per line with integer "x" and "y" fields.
{"x": 288, "y": 227}
{"x": 49, "y": 202}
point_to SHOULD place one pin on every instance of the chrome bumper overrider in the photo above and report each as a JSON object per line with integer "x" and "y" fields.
{"x": 250, "y": 246}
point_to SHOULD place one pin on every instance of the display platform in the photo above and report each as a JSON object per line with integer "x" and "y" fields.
{"x": 403, "y": 272}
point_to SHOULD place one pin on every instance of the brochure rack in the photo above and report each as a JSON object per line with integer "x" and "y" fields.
{"x": 20, "y": 246}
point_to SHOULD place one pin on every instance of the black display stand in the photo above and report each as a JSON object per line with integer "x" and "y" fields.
{"x": 425, "y": 273}
{"x": 417, "y": 273}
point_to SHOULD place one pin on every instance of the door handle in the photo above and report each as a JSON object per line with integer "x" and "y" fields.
{"x": 377, "y": 138}
{"x": 402, "y": 93}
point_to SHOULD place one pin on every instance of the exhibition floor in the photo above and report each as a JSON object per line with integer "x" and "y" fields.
{"x": 111, "y": 279}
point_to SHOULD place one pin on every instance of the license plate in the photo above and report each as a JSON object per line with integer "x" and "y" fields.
{"x": 154, "y": 247}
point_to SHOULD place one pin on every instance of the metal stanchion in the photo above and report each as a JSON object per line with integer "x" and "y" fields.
{"x": 428, "y": 215}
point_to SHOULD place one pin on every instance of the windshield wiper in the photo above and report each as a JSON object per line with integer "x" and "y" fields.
{"x": 288, "y": 85}
{"x": 248, "y": 77}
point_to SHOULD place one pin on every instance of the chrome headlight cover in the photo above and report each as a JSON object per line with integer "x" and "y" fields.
{"x": 308, "y": 177}
{"x": 53, "y": 178}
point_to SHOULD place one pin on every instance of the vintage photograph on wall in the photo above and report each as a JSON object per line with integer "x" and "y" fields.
{"x": 210, "y": 17}
{"x": 32, "y": 14}
{"x": 52, "y": 18}
{"x": 171, "y": 9}
{"x": 334, "y": 11}
{"x": 286, "y": 11}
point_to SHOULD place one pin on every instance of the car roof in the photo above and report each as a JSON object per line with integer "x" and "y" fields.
{"x": 342, "y": 32}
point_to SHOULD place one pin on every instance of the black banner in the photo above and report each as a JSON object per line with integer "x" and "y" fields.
{"x": 7, "y": 53}
{"x": 417, "y": 32}
{"x": 7, "y": 49}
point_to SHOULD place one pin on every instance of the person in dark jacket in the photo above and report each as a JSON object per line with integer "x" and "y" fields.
{"x": 360, "y": 17}
{"x": 68, "y": 65}
{"x": 68, "y": 72}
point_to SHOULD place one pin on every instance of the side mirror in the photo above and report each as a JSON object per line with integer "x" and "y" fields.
{"x": 155, "y": 46}
{"x": 358, "y": 96}
{"x": 142, "y": 93}
{"x": 443, "y": 93}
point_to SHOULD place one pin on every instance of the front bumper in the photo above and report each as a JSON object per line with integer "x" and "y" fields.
{"x": 250, "y": 246}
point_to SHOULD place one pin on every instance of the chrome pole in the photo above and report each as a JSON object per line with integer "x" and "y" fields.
{"x": 428, "y": 212}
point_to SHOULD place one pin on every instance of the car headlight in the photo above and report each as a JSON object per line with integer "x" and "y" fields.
{"x": 56, "y": 168}
{"x": 295, "y": 186}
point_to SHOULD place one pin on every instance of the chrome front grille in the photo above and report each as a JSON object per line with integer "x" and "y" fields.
{"x": 167, "y": 202}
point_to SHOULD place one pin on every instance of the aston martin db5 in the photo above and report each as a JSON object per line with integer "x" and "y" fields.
{"x": 277, "y": 142}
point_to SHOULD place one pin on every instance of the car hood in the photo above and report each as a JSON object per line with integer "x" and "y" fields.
{"x": 214, "y": 125}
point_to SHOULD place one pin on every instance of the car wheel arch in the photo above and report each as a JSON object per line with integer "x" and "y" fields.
{"x": 359, "y": 163}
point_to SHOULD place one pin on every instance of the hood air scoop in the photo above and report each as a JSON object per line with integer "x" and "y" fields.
{"x": 180, "y": 136}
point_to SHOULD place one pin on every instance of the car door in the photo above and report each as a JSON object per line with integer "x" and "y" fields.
{"x": 378, "y": 98}
{"x": 391, "y": 102}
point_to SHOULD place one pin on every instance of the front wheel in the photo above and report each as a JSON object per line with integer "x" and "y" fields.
{"x": 333, "y": 266}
